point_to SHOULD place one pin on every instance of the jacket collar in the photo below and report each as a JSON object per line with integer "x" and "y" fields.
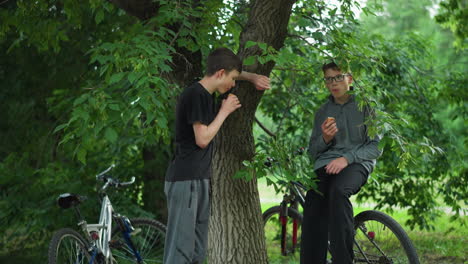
{"x": 350, "y": 100}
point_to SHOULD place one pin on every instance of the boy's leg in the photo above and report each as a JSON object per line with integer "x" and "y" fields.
{"x": 342, "y": 186}
{"x": 180, "y": 233}
{"x": 314, "y": 238}
{"x": 202, "y": 190}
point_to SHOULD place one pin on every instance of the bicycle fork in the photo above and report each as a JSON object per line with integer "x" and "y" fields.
{"x": 127, "y": 229}
{"x": 284, "y": 225}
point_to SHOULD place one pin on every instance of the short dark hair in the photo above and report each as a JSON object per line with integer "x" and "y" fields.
{"x": 331, "y": 65}
{"x": 222, "y": 58}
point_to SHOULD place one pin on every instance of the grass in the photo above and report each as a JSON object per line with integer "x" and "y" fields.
{"x": 446, "y": 244}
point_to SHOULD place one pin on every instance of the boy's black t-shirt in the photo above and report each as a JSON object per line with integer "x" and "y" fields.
{"x": 191, "y": 162}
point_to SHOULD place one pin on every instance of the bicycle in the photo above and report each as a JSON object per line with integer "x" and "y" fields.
{"x": 141, "y": 240}
{"x": 379, "y": 239}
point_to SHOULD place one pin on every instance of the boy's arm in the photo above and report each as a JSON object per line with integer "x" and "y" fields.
{"x": 261, "y": 82}
{"x": 205, "y": 133}
{"x": 317, "y": 144}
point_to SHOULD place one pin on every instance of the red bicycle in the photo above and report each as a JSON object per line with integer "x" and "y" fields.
{"x": 379, "y": 238}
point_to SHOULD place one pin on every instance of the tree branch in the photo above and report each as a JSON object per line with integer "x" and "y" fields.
{"x": 265, "y": 128}
{"x": 310, "y": 44}
{"x": 291, "y": 69}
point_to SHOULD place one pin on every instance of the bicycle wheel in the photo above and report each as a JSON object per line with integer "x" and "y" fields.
{"x": 380, "y": 239}
{"x": 274, "y": 232}
{"x": 148, "y": 239}
{"x": 68, "y": 246}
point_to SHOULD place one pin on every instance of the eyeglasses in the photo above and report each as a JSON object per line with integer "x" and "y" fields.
{"x": 337, "y": 78}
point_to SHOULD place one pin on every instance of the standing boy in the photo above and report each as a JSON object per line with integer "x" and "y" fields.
{"x": 187, "y": 185}
{"x": 344, "y": 157}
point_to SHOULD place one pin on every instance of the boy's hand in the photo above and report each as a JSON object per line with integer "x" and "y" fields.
{"x": 336, "y": 166}
{"x": 329, "y": 129}
{"x": 261, "y": 82}
{"x": 230, "y": 104}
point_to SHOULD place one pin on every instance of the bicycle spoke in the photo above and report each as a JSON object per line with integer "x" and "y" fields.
{"x": 377, "y": 243}
{"x": 123, "y": 256}
{"x": 67, "y": 247}
{"x": 143, "y": 247}
{"x": 147, "y": 240}
{"x": 152, "y": 243}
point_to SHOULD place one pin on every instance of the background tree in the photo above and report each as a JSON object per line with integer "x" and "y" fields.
{"x": 454, "y": 15}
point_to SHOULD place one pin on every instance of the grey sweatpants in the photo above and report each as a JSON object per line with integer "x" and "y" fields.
{"x": 188, "y": 204}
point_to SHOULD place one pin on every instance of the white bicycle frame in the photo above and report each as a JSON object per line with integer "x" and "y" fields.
{"x": 103, "y": 228}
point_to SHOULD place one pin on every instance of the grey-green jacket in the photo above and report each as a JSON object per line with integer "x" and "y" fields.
{"x": 351, "y": 140}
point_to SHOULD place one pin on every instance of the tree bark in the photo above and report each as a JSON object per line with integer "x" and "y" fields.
{"x": 236, "y": 232}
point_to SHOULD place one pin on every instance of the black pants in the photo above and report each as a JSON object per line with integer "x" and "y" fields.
{"x": 330, "y": 216}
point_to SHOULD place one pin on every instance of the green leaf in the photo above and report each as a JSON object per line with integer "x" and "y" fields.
{"x": 133, "y": 76}
{"x": 250, "y": 43}
{"x": 249, "y": 60}
{"x": 60, "y": 127}
{"x": 243, "y": 174}
{"x": 80, "y": 113}
{"x": 162, "y": 122}
{"x": 99, "y": 16}
{"x": 150, "y": 117}
{"x": 80, "y": 99}
{"x": 110, "y": 135}
{"x": 81, "y": 155}
{"x": 116, "y": 77}
{"x": 145, "y": 104}
{"x": 114, "y": 107}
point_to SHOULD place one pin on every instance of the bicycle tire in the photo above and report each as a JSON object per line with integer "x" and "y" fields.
{"x": 68, "y": 244}
{"x": 370, "y": 227}
{"x": 272, "y": 233}
{"x": 148, "y": 238}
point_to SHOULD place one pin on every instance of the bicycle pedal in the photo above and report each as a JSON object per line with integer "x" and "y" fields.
{"x": 135, "y": 231}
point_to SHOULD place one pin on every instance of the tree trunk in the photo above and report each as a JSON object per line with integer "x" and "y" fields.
{"x": 236, "y": 228}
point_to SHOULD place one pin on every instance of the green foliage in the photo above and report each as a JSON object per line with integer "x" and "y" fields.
{"x": 279, "y": 162}
{"x": 50, "y": 88}
{"x": 400, "y": 17}
{"x": 454, "y": 15}
{"x": 132, "y": 103}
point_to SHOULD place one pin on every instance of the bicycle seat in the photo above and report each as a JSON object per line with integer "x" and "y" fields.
{"x": 67, "y": 200}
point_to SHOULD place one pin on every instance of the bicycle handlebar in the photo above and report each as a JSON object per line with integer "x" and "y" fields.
{"x": 132, "y": 180}
{"x": 110, "y": 181}
{"x": 104, "y": 172}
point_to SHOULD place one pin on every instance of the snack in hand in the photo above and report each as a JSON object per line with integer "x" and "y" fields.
{"x": 329, "y": 119}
